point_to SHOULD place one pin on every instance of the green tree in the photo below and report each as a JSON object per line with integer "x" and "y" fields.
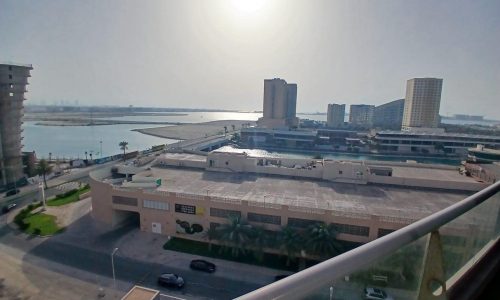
{"x": 322, "y": 240}
{"x": 235, "y": 235}
{"x": 43, "y": 168}
{"x": 260, "y": 239}
{"x": 290, "y": 242}
{"x": 123, "y": 146}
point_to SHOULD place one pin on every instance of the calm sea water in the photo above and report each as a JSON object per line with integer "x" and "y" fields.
{"x": 73, "y": 141}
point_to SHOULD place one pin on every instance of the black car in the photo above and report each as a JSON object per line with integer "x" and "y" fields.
{"x": 8, "y": 208}
{"x": 171, "y": 280}
{"x": 12, "y": 192}
{"x": 202, "y": 265}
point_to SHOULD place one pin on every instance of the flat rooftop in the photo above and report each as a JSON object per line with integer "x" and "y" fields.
{"x": 401, "y": 202}
{"x": 428, "y": 173}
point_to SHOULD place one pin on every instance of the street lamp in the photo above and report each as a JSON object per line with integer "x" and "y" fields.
{"x": 41, "y": 187}
{"x": 100, "y": 150}
{"x": 113, "y": 267}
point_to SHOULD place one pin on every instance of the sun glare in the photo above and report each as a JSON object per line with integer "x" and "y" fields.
{"x": 247, "y": 6}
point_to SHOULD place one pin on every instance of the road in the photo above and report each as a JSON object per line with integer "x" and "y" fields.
{"x": 56, "y": 255}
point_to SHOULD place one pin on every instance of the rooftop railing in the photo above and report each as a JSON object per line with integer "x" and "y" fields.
{"x": 423, "y": 260}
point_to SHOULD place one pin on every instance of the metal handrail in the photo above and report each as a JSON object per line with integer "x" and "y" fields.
{"x": 321, "y": 275}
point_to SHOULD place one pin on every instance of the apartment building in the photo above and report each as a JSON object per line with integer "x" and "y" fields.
{"x": 280, "y": 104}
{"x": 13, "y": 82}
{"x": 422, "y": 102}
{"x": 335, "y": 115}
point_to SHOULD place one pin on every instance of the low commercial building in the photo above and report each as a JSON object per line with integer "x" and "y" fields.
{"x": 426, "y": 142}
{"x": 184, "y": 195}
{"x": 480, "y": 154}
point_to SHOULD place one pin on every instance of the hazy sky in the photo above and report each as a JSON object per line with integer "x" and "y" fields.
{"x": 215, "y": 54}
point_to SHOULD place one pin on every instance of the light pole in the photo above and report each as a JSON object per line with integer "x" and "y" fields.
{"x": 100, "y": 149}
{"x": 42, "y": 189}
{"x": 113, "y": 267}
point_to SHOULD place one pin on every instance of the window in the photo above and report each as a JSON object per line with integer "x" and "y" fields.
{"x": 269, "y": 219}
{"x": 11, "y": 94}
{"x": 224, "y": 213}
{"x": 214, "y": 226}
{"x": 185, "y": 209}
{"x": 10, "y": 76}
{"x": 125, "y": 201}
{"x": 352, "y": 229}
{"x": 155, "y": 204}
{"x": 340, "y": 172}
{"x": 10, "y": 68}
{"x": 302, "y": 223}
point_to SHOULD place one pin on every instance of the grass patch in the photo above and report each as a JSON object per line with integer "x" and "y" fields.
{"x": 68, "y": 197}
{"x": 41, "y": 224}
{"x": 200, "y": 248}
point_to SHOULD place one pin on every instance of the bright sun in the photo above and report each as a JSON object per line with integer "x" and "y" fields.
{"x": 248, "y": 6}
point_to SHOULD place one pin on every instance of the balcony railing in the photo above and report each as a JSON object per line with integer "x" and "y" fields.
{"x": 424, "y": 260}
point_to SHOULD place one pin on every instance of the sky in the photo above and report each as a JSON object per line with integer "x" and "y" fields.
{"x": 216, "y": 54}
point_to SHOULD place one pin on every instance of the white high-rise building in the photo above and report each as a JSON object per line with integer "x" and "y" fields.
{"x": 280, "y": 102}
{"x": 421, "y": 110}
{"x": 335, "y": 115}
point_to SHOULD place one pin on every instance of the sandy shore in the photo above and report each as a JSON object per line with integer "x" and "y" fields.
{"x": 194, "y": 131}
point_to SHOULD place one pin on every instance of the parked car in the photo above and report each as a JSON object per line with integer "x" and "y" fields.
{"x": 171, "y": 280}
{"x": 372, "y": 293}
{"x": 12, "y": 192}
{"x": 8, "y": 208}
{"x": 202, "y": 265}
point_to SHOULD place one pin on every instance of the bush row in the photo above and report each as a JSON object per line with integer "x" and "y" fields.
{"x": 23, "y": 214}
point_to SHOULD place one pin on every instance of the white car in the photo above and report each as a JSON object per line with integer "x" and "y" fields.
{"x": 372, "y": 293}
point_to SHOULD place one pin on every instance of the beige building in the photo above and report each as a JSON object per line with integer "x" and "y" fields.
{"x": 280, "y": 104}
{"x": 185, "y": 194}
{"x": 13, "y": 82}
{"x": 335, "y": 115}
{"x": 421, "y": 109}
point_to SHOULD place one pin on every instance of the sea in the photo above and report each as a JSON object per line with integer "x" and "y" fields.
{"x": 101, "y": 141}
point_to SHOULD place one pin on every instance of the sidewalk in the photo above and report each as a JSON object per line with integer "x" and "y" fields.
{"x": 148, "y": 247}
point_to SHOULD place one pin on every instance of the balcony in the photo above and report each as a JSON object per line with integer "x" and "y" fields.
{"x": 451, "y": 254}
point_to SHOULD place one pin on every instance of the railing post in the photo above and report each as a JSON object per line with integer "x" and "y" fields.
{"x": 433, "y": 283}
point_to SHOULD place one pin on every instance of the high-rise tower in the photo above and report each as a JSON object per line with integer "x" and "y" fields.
{"x": 423, "y": 98}
{"x": 280, "y": 102}
{"x": 13, "y": 81}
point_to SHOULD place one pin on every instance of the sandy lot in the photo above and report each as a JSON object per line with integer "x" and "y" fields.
{"x": 194, "y": 131}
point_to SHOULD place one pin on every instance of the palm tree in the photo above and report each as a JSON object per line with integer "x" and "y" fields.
{"x": 123, "y": 146}
{"x": 86, "y": 155}
{"x": 260, "y": 239}
{"x": 43, "y": 169}
{"x": 290, "y": 243}
{"x": 225, "y": 130}
{"x": 322, "y": 240}
{"x": 233, "y": 126}
{"x": 235, "y": 235}
{"x": 211, "y": 234}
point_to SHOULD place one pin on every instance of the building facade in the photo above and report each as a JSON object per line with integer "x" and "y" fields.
{"x": 335, "y": 115}
{"x": 422, "y": 102}
{"x": 422, "y": 142}
{"x": 13, "y": 82}
{"x": 361, "y": 115}
{"x": 184, "y": 195}
{"x": 280, "y": 104}
{"x": 389, "y": 115}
